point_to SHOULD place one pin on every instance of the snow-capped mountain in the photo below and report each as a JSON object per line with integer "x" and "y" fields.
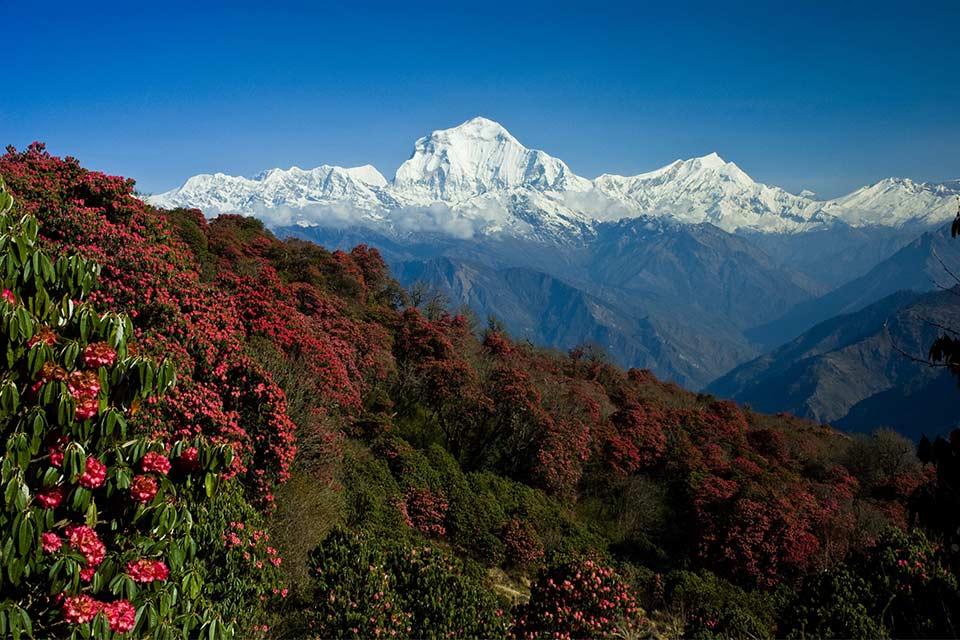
{"x": 478, "y": 157}
{"x": 477, "y": 179}
{"x": 364, "y": 188}
{"x": 710, "y": 189}
{"x": 895, "y": 202}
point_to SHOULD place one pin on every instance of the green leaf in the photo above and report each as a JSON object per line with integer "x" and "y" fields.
{"x": 209, "y": 483}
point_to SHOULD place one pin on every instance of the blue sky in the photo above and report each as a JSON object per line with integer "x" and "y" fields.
{"x": 820, "y": 96}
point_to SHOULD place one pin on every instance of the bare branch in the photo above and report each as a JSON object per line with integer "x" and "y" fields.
{"x": 909, "y": 356}
{"x": 944, "y": 265}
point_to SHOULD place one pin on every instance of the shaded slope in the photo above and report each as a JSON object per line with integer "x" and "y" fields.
{"x": 851, "y": 371}
{"x": 917, "y": 267}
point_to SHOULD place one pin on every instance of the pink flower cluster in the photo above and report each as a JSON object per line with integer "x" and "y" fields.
{"x": 99, "y": 354}
{"x": 155, "y": 463}
{"x": 79, "y": 609}
{"x": 189, "y": 459}
{"x": 94, "y": 473}
{"x": 50, "y": 541}
{"x": 84, "y": 387}
{"x": 85, "y": 540}
{"x": 50, "y": 498}
{"x": 145, "y": 570}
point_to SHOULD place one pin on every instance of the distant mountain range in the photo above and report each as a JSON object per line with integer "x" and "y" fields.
{"x": 917, "y": 266}
{"x": 477, "y": 179}
{"x": 690, "y": 270}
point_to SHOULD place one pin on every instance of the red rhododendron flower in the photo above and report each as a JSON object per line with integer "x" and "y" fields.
{"x": 146, "y": 570}
{"x": 85, "y": 540}
{"x": 48, "y": 372}
{"x": 99, "y": 354}
{"x": 94, "y": 473}
{"x": 51, "y": 497}
{"x": 50, "y": 541}
{"x": 8, "y": 296}
{"x": 45, "y": 335}
{"x": 86, "y": 574}
{"x": 156, "y": 463}
{"x": 81, "y": 608}
{"x": 83, "y": 385}
{"x": 120, "y": 615}
{"x": 143, "y": 489}
{"x": 87, "y": 408}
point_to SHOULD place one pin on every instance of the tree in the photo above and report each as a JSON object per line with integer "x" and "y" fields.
{"x": 94, "y": 537}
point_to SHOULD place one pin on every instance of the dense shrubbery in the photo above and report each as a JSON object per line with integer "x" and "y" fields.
{"x": 95, "y": 533}
{"x": 899, "y": 585}
{"x": 367, "y": 589}
{"x": 580, "y": 599}
{"x": 409, "y": 431}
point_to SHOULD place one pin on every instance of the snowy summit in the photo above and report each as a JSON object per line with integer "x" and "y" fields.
{"x": 477, "y": 178}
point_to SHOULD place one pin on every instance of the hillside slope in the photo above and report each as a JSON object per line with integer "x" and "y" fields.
{"x": 404, "y": 473}
{"x": 851, "y": 370}
{"x": 921, "y": 265}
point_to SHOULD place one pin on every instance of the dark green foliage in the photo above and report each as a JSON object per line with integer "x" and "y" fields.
{"x": 240, "y": 582}
{"x": 899, "y": 587}
{"x": 712, "y": 607}
{"x": 370, "y": 494}
{"x": 352, "y": 592}
{"x": 442, "y": 597}
{"x": 364, "y": 588}
{"x": 834, "y": 605}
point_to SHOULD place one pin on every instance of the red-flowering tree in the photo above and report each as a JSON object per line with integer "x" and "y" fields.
{"x": 639, "y": 438}
{"x": 94, "y": 539}
{"x": 195, "y": 325}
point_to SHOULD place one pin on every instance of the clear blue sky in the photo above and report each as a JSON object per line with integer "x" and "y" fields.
{"x": 823, "y": 96}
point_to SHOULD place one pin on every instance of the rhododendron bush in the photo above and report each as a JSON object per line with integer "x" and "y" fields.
{"x": 580, "y": 599}
{"x": 222, "y": 394}
{"x": 94, "y": 537}
{"x": 366, "y": 589}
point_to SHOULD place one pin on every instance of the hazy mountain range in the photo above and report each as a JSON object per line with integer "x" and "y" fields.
{"x": 690, "y": 270}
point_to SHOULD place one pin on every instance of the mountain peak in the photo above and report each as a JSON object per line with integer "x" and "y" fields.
{"x": 482, "y": 172}
{"x": 711, "y": 161}
{"x": 477, "y": 157}
{"x": 482, "y": 128}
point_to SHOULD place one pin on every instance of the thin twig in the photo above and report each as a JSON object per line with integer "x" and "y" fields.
{"x": 943, "y": 264}
{"x": 909, "y": 356}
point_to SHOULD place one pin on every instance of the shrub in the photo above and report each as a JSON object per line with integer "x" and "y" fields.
{"x": 352, "y": 592}
{"x": 240, "y": 565}
{"x": 370, "y": 494}
{"x": 95, "y": 534}
{"x": 522, "y": 544}
{"x": 578, "y": 599}
{"x": 712, "y": 607}
{"x": 899, "y": 587}
{"x": 442, "y": 598}
{"x": 364, "y": 589}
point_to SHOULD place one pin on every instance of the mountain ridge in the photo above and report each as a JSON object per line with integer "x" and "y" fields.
{"x": 851, "y": 371}
{"x": 483, "y": 181}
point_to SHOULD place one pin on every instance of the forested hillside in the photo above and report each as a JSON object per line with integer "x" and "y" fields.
{"x": 354, "y": 462}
